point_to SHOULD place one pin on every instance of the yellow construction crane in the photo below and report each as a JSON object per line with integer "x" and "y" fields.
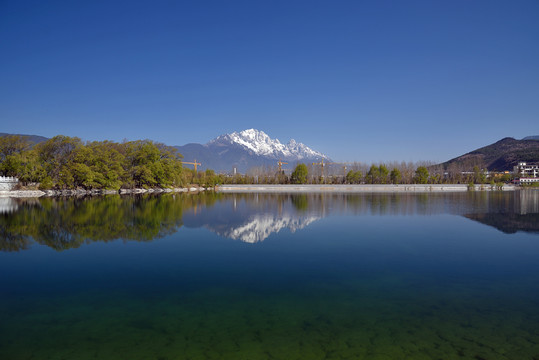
{"x": 344, "y": 167}
{"x": 192, "y": 163}
{"x": 322, "y": 165}
{"x": 281, "y": 165}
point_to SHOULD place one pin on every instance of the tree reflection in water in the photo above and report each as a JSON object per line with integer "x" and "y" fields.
{"x": 66, "y": 223}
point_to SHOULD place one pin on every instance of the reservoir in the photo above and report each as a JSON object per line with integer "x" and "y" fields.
{"x": 271, "y": 276}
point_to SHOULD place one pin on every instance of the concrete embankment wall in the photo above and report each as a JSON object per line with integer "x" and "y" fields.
{"x": 8, "y": 183}
{"x": 355, "y": 188}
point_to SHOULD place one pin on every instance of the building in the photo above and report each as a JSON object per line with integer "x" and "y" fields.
{"x": 526, "y": 170}
{"x": 528, "y": 181}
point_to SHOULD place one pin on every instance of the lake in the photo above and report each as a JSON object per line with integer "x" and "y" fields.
{"x": 271, "y": 276}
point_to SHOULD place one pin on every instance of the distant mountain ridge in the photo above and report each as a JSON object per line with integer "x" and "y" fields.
{"x": 500, "y": 156}
{"x": 33, "y": 138}
{"x": 250, "y": 148}
{"x": 261, "y": 144}
{"x": 246, "y": 149}
{"x": 241, "y": 150}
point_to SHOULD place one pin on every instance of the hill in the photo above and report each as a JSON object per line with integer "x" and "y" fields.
{"x": 33, "y": 138}
{"x": 500, "y": 156}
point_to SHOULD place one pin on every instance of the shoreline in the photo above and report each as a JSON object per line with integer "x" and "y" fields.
{"x": 363, "y": 188}
{"x": 266, "y": 188}
{"x": 52, "y": 193}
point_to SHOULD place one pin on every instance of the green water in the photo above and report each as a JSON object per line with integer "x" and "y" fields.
{"x": 271, "y": 277}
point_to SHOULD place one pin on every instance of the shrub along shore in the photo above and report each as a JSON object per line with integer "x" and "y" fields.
{"x": 66, "y": 163}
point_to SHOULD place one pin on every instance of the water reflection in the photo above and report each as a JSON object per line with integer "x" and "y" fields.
{"x": 254, "y": 218}
{"x": 519, "y": 213}
{"x": 65, "y": 223}
{"x": 8, "y": 205}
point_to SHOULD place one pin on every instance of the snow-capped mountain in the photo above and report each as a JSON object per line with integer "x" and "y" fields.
{"x": 248, "y": 148}
{"x": 261, "y": 144}
{"x": 261, "y": 226}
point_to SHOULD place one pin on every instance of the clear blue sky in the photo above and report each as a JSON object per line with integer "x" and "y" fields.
{"x": 358, "y": 80}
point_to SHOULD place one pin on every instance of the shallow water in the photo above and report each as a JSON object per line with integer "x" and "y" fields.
{"x": 263, "y": 276}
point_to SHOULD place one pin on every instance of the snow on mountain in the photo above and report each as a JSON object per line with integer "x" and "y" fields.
{"x": 247, "y": 149}
{"x": 259, "y": 143}
{"x": 259, "y": 227}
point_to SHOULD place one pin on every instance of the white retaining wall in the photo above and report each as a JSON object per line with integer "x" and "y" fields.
{"x": 355, "y": 188}
{"x": 8, "y": 183}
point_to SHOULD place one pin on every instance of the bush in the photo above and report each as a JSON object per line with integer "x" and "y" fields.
{"x": 46, "y": 183}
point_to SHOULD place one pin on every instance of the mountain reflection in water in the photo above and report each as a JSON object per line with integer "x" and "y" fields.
{"x": 521, "y": 213}
{"x": 253, "y": 218}
{"x": 65, "y": 223}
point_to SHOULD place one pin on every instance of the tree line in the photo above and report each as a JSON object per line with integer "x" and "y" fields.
{"x": 64, "y": 162}
{"x": 400, "y": 173}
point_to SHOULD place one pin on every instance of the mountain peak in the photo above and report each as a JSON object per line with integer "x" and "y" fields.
{"x": 259, "y": 143}
{"x": 252, "y": 133}
{"x": 246, "y": 149}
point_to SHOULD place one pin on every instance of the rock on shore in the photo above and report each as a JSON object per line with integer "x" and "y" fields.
{"x": 22, "y": 193}
{"x": 81, "y": 192}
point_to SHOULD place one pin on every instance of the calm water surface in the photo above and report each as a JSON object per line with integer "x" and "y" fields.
{"x": 262, "y": 276}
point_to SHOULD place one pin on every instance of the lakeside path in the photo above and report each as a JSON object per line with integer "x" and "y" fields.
{"x": 366, "y": 188}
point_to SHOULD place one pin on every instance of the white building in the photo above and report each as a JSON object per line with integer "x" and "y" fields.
{"x": 526, "y": 170}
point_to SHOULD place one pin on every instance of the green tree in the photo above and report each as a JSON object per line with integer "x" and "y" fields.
{"x": 67, "y": 162}
{"x": 299, "y": 176}
{"x": 11, "y": 166}
{"x": 210, "y": 179}
{"x": 353, "y": 177}
{"x": 56, "y": 154}
{"x": 479, "y": 175}
{"x": 12, "y": 145}
{"x": 106, "y": 160}
{"x": 31, "y": 169}
{"x": 421, "y": 175}
{"x": 384, "y": 173}
{"x": 18, "y": 159}
{"x": 373, "y": 176}
{"x": 395, "y": 176}
{"x": 150, "y": 164}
